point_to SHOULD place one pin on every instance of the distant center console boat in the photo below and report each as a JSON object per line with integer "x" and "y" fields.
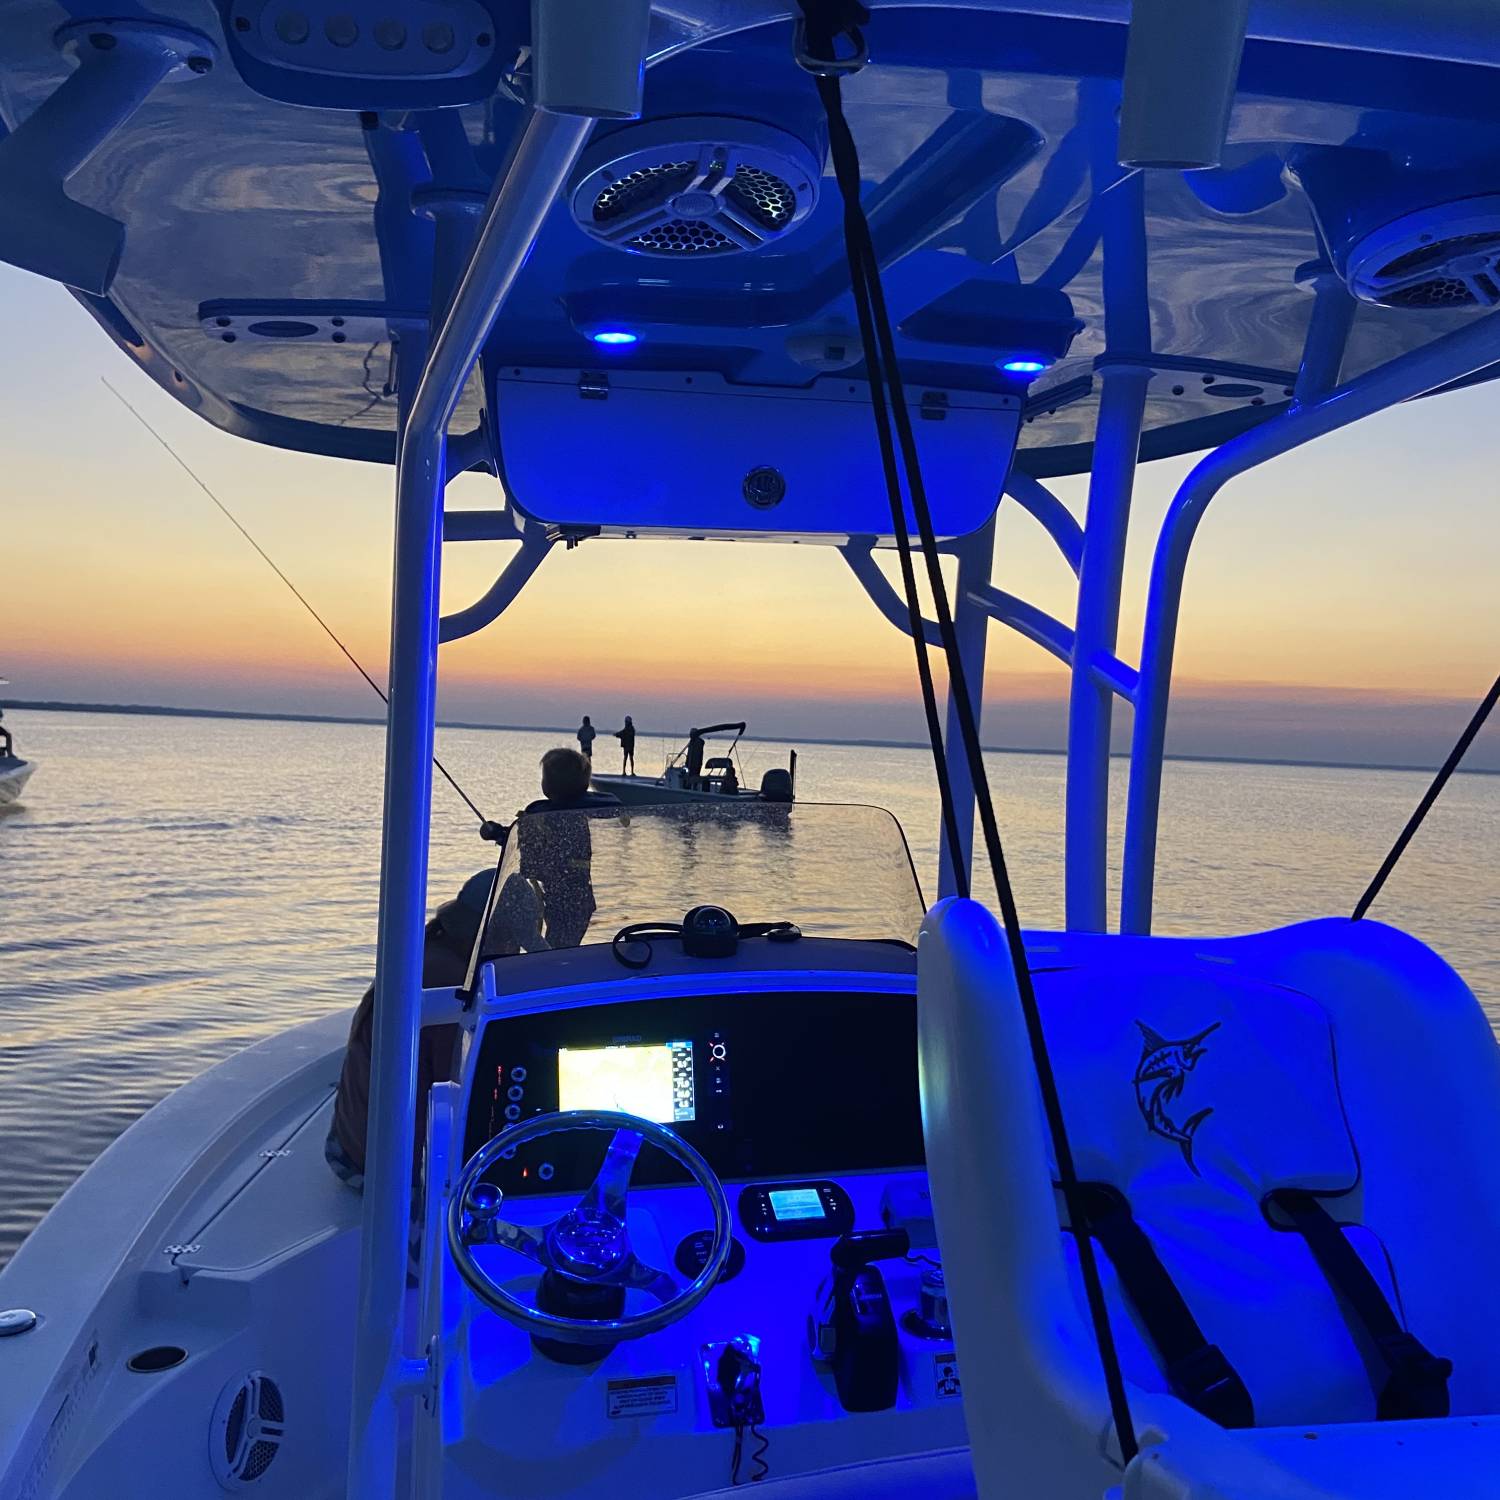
{"x": 14, "y": 772}
{"x": 689, "y": 777}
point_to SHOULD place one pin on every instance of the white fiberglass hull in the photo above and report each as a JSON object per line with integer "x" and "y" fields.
{"x": 14, "y": 774}
{"x": 208, "y": 1244}
{"x": 639, "y": 791}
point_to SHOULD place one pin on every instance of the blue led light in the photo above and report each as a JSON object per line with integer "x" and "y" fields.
{"x": 615, "y": 336}
{"x": 1023, "y": 367}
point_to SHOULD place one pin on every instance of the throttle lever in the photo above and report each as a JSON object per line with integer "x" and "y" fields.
{"x": 852, "y": 1326}
{"x": 861, "y": 1246}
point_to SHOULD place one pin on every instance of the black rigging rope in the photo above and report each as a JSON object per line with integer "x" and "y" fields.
{"x": 824, "y": 29}
{"x": 1413, "y": 823}
{"x": 856, "y": 231}
{"x": 300, "y": 597}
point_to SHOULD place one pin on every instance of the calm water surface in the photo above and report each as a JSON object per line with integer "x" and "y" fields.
{"x": 174, "y": 889}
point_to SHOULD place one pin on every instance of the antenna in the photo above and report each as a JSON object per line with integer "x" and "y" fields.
{"x": 271, "y": 563}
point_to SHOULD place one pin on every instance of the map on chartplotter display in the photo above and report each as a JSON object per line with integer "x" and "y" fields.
{"x": 653, "y": 1080}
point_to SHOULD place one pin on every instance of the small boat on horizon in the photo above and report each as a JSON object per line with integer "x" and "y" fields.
{"x": 14, "y": 772}
{"x": 693, "y": 776}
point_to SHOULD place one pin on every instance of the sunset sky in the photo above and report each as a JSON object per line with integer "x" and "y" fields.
{"x": 1341, "y": 604}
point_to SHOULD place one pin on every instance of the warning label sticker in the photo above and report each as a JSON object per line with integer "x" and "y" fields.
{"x": 945, "y": 1377}
{"x": 641, "y": 1396}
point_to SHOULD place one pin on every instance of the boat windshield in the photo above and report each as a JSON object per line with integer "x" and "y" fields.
{"x": 571, "y": 878}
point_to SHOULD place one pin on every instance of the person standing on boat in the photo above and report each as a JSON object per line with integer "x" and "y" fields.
{"x": 696, "y": 747}
{"x": 557, "y": 851}
{"x": 6, "y": 751}
{"x": 626, "y": 737}
{"x": 587, "y": 734}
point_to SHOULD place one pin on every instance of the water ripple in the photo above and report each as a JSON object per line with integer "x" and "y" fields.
{"x": 157, "y": 917}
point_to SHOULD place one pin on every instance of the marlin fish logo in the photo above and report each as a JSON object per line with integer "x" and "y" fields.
{"x": 1159, "y": 1077}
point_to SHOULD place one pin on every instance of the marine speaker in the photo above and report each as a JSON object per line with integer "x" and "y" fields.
{"x": 697, "y": 186}
{"x": 247, "y": 1431}
{"x": 1446, "y": 256}
{"x": 1400, "y": 236}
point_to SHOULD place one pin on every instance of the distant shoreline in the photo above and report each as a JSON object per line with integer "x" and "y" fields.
{"x": 164, "y": 711}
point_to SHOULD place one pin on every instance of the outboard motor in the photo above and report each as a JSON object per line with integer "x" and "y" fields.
{"x": 776, "y": 785}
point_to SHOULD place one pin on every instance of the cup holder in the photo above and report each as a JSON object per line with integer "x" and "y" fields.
{"x": 156, "y": 1359}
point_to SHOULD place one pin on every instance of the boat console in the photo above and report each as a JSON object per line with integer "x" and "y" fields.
{"x": 809, "y": 1158}
{"x": 686, "y": 1239}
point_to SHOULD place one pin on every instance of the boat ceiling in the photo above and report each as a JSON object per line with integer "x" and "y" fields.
{"x": 988, "y": 143}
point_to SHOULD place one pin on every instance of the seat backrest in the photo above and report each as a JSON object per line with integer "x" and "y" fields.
{"x": 1198, "y": 1077}
{"x": 1197, "y": 1093}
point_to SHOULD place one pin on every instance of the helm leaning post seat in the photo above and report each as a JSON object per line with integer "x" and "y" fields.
{"x": 1287, "y": 1146}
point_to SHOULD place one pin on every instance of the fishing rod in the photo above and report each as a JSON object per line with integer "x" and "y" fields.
{"x": 298, "y": 594}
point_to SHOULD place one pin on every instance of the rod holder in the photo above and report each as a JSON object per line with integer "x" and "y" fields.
{"x": 1181, "y": 64}
{"x": 120, "y": 62}
{"x": 589, "y": 56}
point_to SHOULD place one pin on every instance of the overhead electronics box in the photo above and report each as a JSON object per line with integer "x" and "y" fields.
{"x": 693, "y": 455}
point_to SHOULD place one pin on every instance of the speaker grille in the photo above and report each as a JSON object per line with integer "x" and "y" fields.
{"x": 258, "y": 1460}
{"x": 1445, "y": 256}
{"x": 638, "y": 187}
{"x": 247, "y": 1431}
{"x": 235, "y": 1428}
{"x": 764, "y": 195}
{"x": 659, "y": 190}
{"x": 760, "y": 195}
{"x": 681, "y": 237}
{"x": 1441, "y": 290}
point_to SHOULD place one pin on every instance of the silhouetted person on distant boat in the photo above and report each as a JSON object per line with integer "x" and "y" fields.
{"x": 695, "y": 752}
{"x": 587, "y": 734}
{"x": 6, "y": 752}
{"x": 557, "y": 851}
{"x": 626, "y": 737}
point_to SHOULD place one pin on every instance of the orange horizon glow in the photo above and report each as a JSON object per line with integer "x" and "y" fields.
{"x": 233, "y": 621}
{"x": 1315, "y": 582}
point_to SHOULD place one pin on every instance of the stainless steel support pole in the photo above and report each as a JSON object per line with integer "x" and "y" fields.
{"x": 548, "y": 148}
{"x": 1408, "y": 375}
{"x": 881, "y": 592}
{"x": 1327, "y": 332}
{"x": 1055, "y": 517}
{"x": 501, "y": 594}
{"x": 1117, "y": 439}
{"x": 971, "y": 624}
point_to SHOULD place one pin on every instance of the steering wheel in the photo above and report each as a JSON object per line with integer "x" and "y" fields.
{"x": 590, "y": 1244}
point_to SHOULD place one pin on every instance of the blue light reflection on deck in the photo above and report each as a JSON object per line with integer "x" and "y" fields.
{"x": 615, "y": 336}
{"x": 1023, "y": 366}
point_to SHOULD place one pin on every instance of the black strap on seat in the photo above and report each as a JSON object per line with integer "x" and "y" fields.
{"x": 1197, "y": 1372}
{"x": 1415, "y": 1383}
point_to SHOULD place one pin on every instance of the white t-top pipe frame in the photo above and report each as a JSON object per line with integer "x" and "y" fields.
{"x": 543, "y": 160}
{"x": 1413, "y": 374}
